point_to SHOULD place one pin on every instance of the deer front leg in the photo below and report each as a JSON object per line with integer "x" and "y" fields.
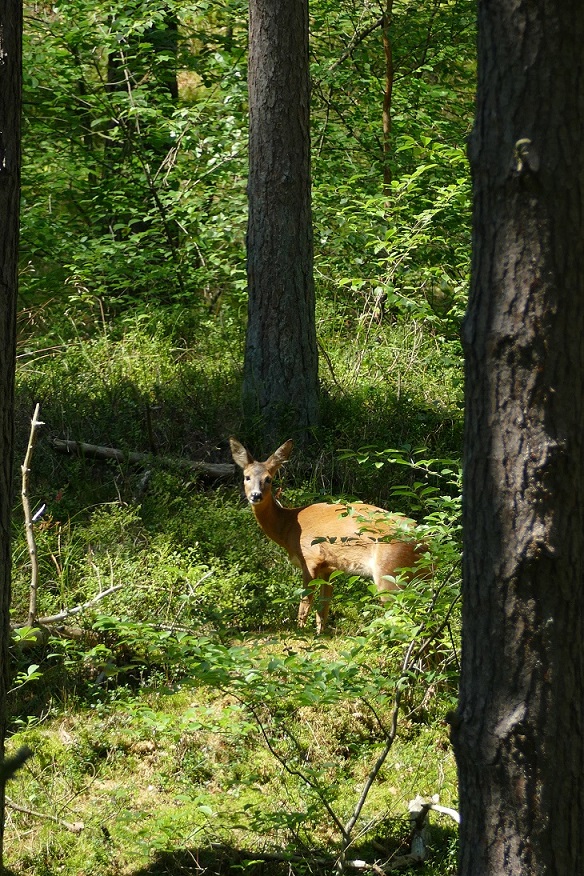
{"x": 308, "y": 598}
{"x": 315, "y": 573}
{"x": 323, "y": 606}
{"x": 304, "y": 608}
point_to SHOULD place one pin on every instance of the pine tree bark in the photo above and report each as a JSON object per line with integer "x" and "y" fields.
{"x": 281, "y": 361}
{"x": 10, "y": 104}
{"x": 518, "y": 730}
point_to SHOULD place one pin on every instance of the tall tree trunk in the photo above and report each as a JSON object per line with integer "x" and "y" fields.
{"x": 281, "y": 360}
{"x": 10, "y": 104}
{"x": 518, "y": 731}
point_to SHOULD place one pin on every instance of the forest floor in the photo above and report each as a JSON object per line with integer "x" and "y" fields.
{"x": 182, "y": 724}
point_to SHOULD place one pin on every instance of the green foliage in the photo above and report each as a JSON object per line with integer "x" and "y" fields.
{"x": 147, "y": 201}
{"x": 431, "y": 63}
{"x": 409, "y": 245}
{"x": 268, "y": 724}
{"x": 116, "y": 220}
{"x": 307, "y": 717}
{"x": 179, "y": 717}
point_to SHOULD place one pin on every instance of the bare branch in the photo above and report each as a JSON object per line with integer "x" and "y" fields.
{"x": 391, "y": 733}
{"x": 70, "y": 612}
{"x": 357, "y": 38}
{"x": 74, "y": 827}
{"x": 28, "y": 519}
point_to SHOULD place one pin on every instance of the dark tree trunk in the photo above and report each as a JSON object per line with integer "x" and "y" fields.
{"x": 518, "y": 733}
{"x": 10, "y": 103}
{"x": 281, "y": 361}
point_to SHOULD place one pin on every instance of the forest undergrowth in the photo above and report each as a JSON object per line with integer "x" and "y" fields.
{"x": 184, "y": 718}
{"x": 179, "y": 721}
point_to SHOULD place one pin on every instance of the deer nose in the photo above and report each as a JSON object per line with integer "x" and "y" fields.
{"x": 255, "y": 497}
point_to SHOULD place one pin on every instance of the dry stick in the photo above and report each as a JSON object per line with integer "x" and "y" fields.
{"x": 445, "y": 810}
{"x": 74, "y": 827}
{"x": 69, "y": 612}
{"x": 28, "y": 522}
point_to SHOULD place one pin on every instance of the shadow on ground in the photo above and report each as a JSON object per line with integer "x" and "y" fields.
{"x": 221, "y": 859}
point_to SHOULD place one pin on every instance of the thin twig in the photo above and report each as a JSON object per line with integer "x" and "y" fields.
{"x": 74, "y": 827}
{"x": 28, "y": 521}
{"x": 357, "y": 38}
{"x": 310, "y": 783}
{"x": 327, "y": 359}
{"x": 374, "y": 772}
{"x": 435, "y": 633}
{"x": 70, "y": 612}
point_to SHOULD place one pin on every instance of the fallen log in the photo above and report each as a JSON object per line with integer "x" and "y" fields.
{"x": 214, "y": 469}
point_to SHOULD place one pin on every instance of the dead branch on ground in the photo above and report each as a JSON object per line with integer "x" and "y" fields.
{"x": 95, "y": 451}
{"x": 74, "y": 827}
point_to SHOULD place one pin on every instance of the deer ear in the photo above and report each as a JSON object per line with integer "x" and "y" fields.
{"x": 279, "y": 456}
{"x": 240, "y": 455}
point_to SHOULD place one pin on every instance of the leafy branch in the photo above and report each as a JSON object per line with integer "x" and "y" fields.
{"x": 390, "y": 734}
{"x": 247, "y": 688}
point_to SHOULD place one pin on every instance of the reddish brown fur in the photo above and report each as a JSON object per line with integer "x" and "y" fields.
{"x": 321, "y": 538}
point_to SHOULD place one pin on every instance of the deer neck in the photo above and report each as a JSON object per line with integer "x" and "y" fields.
{"x": 275, "y": 520}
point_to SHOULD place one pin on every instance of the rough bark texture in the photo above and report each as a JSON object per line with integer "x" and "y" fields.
{"x": 281, "y": 362}
{"x": 518, "y": 733}
{"x": 10, "y": 101}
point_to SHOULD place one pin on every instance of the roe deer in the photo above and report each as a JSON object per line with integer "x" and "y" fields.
{"x": 322, "y": 538}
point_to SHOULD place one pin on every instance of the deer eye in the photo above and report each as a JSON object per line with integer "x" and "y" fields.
{"x": 268, "y": 480}
{"x": 247, "y": 478}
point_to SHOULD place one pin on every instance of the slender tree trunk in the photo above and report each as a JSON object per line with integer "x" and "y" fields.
{"x": 281, "y": 360}
{"x": 10, "y": 103}
{"x": 518, "y": 732}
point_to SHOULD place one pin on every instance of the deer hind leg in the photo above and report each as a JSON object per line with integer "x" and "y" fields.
{"x": 385, "y": 582}
{"x": 392, "y": 568}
